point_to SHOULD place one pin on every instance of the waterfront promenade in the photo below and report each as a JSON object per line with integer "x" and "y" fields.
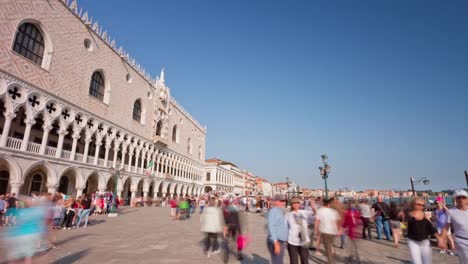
{"x": 147, "y": 235}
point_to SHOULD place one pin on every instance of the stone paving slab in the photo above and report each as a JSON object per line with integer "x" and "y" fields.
{"x": 147, "y": 235}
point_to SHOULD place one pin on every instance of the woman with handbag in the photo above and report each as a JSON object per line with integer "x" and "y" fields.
{"x": 298, "y": 238}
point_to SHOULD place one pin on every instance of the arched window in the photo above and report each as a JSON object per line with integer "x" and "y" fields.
{"x": 189, "y": 146}
{"x": 29, "y": 43}
{"x": 199, "y": 153}
{"x": 158, "y": 128}
{"x": 137, "y": 110}
{"x": 175, "y": 134}
{"x": 96, "y": 87}
{"x": 36, "y": 183}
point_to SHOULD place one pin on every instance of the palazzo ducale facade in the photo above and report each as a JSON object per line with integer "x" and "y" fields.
{"x": 74, "y": 105}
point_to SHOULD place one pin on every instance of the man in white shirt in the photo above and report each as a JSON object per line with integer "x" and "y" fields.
{"x": 327, "y": 222}
{"x": 458, "y": 222}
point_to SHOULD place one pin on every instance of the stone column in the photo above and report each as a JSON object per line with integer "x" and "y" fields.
{"x": 145, "y": 194}
{"x": 122, "y": 162}
{"x": 45, "y": 137}
{"x": 154, "y": 163}
{"x": 27, "y": 133}
{"x": 106, "y": 154}
{"x": 15, "y": 188}
{"x": 6, "y": 128}
{"x": 58, "y": 152}
{"x": 52, "y": 189}
{"x": 130, "y": 156}
{"x": 142, "y": 166}
{"x": 136, "y": 162}
{"x": 116, "y": 151}
{"x": 79, "y": 192}
{"x": 86, "y": 149}
{"x": 98, "y": 147}
{"x": 74, "y": 144}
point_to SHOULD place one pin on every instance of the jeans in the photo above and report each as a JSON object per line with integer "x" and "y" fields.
{"x": 201, "y": 209}
{"x": 379, "y": 222}
{"x": 85, "y": 214}
{"x": 296, "y": 252}
{"x": 421, "y": 252}
{"x": 276, "y": 259}
{"x": 342, "y": 240}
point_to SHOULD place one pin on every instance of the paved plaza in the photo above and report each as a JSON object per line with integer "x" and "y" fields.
{"x": 147, "y": 235}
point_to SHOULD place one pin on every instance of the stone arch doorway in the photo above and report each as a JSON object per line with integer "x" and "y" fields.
{"x": 151, "y": 190}
{"x": 110, "y": 187}
{"x": 208, "y": 189}
{"x": 126, "y": 189}
{"x": 91, "y": 185}
{"x": 4, "y": 181}
{"x": 160, "y": 190}
{"x": 140, "y": 188}
{"x": 35, "y": 181}
{"x": 168, "y": 190}
{"x": 67, "y": 183}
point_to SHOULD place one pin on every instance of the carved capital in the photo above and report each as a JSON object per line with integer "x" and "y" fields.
{"x": 47, "y": 127}
{"x": 29, "y": 122}
{"x": 63, "y": 132}
{"x": 9, "y": 115}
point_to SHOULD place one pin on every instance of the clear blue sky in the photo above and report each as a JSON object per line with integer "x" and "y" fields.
{"x": 379, "y": 86}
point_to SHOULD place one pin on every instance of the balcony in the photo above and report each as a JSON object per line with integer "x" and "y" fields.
{"x": 159, "y": 139}
{"x": 50, "y": 152}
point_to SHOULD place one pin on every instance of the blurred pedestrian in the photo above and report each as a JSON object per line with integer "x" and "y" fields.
{"x": 12, "y": 204}
{"x": 351, "y": 222}
{"x": 441, "y": 214}
{"x": 212, "y": 224}
{"x": 298, "y": 235}
{"x": 458, "y": 221}
{"x": 396, "y": 216}
{"x": 25, "y": 237}
{"x": 328, "y": 222}
{"x": 367, "y": 218}
{"x": 232, "y": 229}
{"x": 277, "y": 230}
{"x": 420, "y": 229}
{"x": 381, "y": 210}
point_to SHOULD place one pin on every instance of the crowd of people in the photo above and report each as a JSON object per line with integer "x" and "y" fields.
{"x": 27, "y": 221}
{"x": 307, "y": 226}
{"x": 311, "y": 223}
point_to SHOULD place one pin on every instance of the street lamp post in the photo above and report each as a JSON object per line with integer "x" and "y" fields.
{"x": 287, "y": 191}
{"x": 324, "y": 172}
{"x": 116, "y": 174}
{"x": 424, "y": 180}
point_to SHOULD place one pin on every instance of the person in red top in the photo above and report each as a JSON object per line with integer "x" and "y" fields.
{"x": 173, "y": 204}
{"x": 351, "y": 220}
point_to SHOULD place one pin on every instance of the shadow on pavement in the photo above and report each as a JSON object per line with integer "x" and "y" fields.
{"x": 400, "y": 260}
{"x": 127, "y": 212}
{"x": 61, "y": 242}
{"x": 256, "y": 259}
{"x": 72, "y": 258}
{"x": 96, "y": 222}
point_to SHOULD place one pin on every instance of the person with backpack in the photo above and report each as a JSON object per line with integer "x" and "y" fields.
{"x": 381, "y": 210}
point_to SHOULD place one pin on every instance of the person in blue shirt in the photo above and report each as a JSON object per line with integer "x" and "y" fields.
{"x": 277, "y": 230}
